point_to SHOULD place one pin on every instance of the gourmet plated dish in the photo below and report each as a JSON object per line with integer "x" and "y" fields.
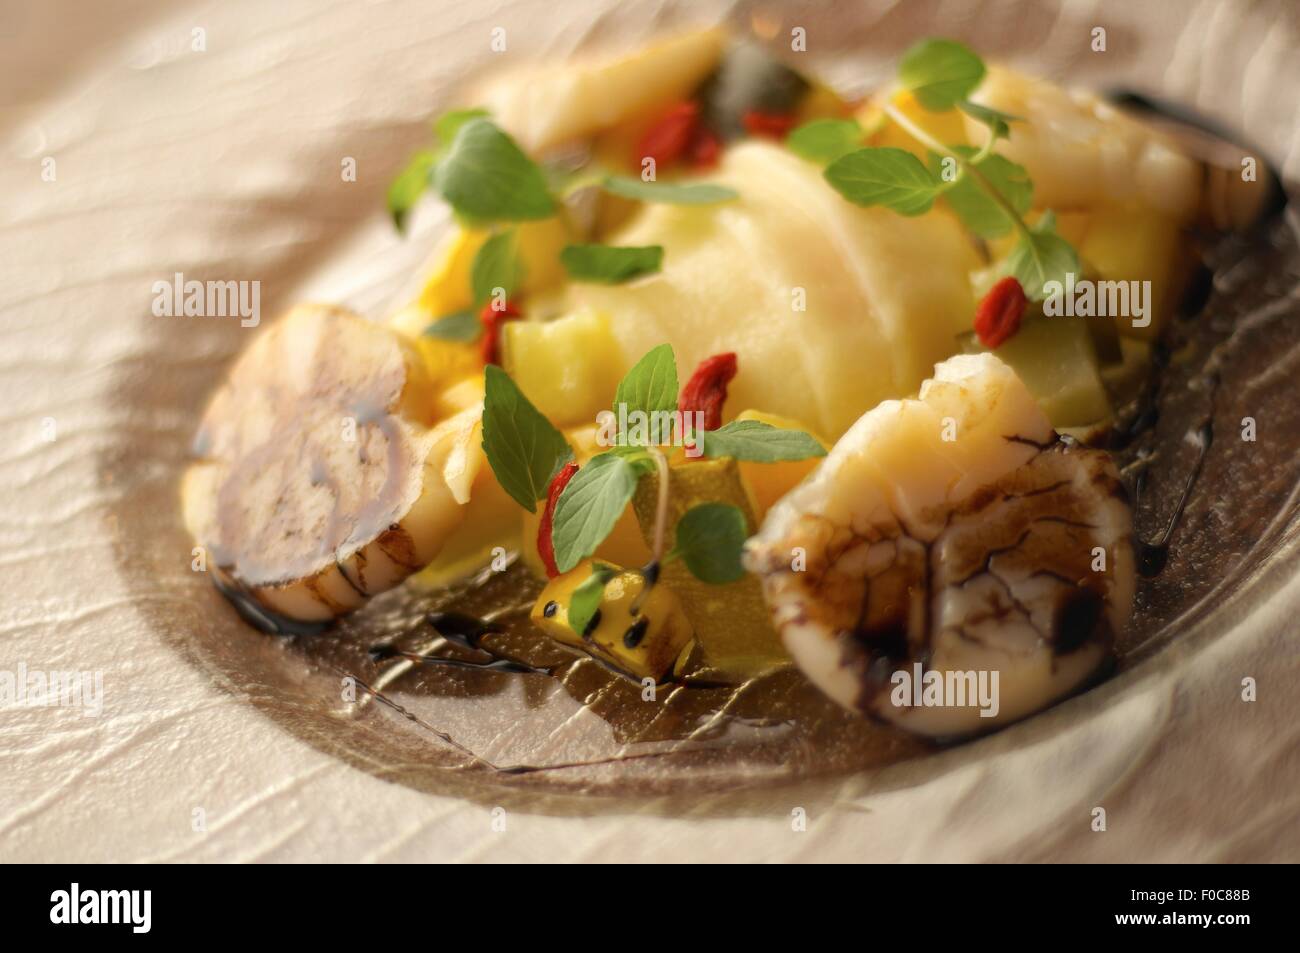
{"x": 729, "y": 403}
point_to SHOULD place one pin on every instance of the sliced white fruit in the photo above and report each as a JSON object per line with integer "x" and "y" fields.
{"x": 959, "y": 532}
{"x": 319, "y": 478}
{"x": 1082, "y": 153}
{"x": 555, "y": 106}
{"x": 830, "y": 308}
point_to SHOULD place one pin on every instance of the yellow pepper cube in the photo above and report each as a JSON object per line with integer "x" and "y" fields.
{"x": 768, "y": 482}
{"x": 644, "y": 643}
{"x": 1137, "y": 244}
{"x": 448, "y": 288}
{"x": 568, "y": 368}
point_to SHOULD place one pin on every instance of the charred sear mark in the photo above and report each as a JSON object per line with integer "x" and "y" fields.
{"x": 1078, "y": 615}
{"x": 1009, "y": 571}
{"x": 875, "y": 652}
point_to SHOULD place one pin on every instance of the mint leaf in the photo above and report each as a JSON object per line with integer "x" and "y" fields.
{"x": 591, "y": 504}
{"x": 587, "y": 597}
{"x": 999, "y": 123}
{"x": 610, "y": 264}
{"x": 651, "y": 384}
{"x": 939, "y": 73}
{"x": 457, "y": 326}
{"x": 409, "y": 185}
{"x": 973, "y": 205}
{"x": 885, "y": 176}
{"x": 449, "y": 123}
{"x": 486, "y": 177}
{"x": 1040, "y": 257}
{"x": 412, "y": 181}
{"x": 758, "y": 442}
{"x": 672, "y": 193}
{"x": 825, "y": 140}
{"x": 709, "y": 540}
{"x": 496, "y": 265}
{"x": 522, "y": 447}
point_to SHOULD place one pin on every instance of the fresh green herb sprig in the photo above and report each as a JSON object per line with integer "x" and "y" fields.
{"x": 587, "y": 596}
{"x": 496, "y": 265}
{"x": 525, "y": 451}
{"x": 463, "y": 326}
{"x": 610, "y": 264}
{"x": 497, "y": 268}
{"x": 756, "y": 442}
{"x": 600, "y": 491}
{"x": 710, "y": 537}
{"x": 987, "y": 191}
{"x": 489, "y": 181}
{"x": 825, "y": 140}
{"x": 487, "y": 178}
{"x": 480, "y": 171}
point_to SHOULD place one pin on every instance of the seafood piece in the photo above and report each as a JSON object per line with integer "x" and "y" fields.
{"x": 320, "y": 478}
{"x": 1082, "y": 153}
{"x": 545, "y": 108}
{"x": 957, "y": 531}
{"x": 829, "y": 307}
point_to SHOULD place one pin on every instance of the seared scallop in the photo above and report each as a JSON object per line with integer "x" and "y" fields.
{"x": 319, "y": 478}
{"x": 944, "y": 537}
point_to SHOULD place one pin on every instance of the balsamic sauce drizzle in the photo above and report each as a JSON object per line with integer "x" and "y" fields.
{"x": 470, "y": 632}
{"x": 467, "y": 632}
{"x": 1153, "y": 556}
{"x": 257, "y": 615}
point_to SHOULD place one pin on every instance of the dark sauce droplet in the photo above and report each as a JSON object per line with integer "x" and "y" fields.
{"x": 1151, "y": 558}
{"x": 465, "y": 630}
{"x": 635, "y": 633}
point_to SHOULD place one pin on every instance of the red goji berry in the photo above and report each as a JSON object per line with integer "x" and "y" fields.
{"x": 546, "y": 545}
{"x": 492, "y": 319}
{"x": 771, "y": 125}
{"x": 668, "y": 139}
{"x": 706, "y": 391}
{"x": 705, "y": 149}
{"x": 998, "y": 316}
